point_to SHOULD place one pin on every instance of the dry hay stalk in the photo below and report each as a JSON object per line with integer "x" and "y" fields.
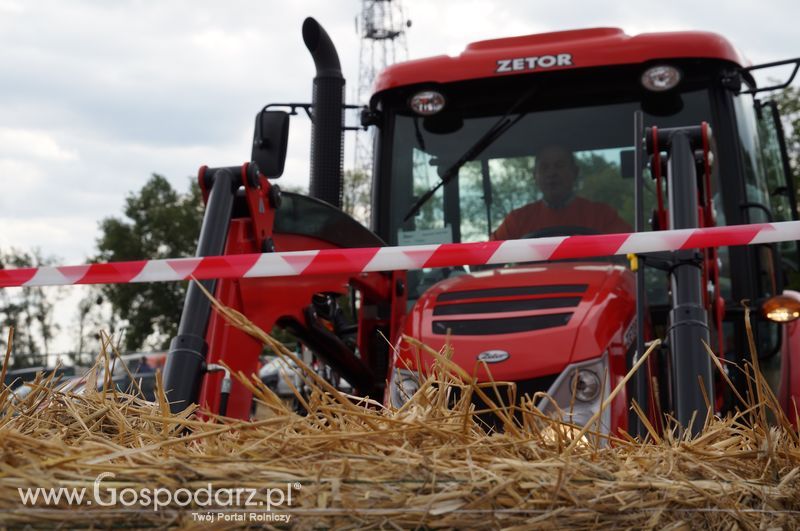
{"x": 427, "y": 464}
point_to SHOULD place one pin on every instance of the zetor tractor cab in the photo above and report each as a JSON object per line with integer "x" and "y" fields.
{"x": 558, "y": 134}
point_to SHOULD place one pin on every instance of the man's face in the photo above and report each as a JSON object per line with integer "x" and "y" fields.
{"x": 555, "y": 174}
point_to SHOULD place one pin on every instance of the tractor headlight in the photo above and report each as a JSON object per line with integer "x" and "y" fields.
{"x": 578, "y": 393}
{"x": 661, "y": 78}
{"x": 402, "y": 386}
{"x": 587, "y": 385}
{"x": 427, "y": 102}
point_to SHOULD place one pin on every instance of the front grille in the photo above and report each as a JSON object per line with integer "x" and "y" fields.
{"x": 513, "y": 305}
{"x": 511, "y": 292}
{"x": 523, "y": 388}
{"x": 509, "y": 325}
{"x": 511, "y": 299}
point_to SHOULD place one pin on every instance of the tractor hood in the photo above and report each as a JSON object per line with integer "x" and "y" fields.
{"x": 527, "y": 321}
{"x": 592, "y": 47}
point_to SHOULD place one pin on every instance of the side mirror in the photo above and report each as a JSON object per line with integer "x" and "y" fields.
{"x": 270, "y": 139}
{"x": 780, "y": 85}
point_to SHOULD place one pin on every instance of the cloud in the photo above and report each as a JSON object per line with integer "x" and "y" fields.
{"x": 99, "y": 95}
{"x": 764, "y": 32}
{"x": 26, "y": 143}
{"x": 64, "y": 234}
{"x": 96, "y": 96}
{"x": 10, "y": 6}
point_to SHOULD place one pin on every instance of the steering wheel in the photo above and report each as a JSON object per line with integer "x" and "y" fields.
{"x": 561, "y": 230}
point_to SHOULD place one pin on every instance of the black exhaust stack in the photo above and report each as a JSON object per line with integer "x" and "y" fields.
{"x": 327, "y": 133}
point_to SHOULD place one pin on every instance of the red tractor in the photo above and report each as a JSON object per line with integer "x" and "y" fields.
{"x": 573, "y": 132}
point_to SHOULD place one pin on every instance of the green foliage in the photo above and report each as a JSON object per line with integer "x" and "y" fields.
{"x": 789, "y": 104}
{"x": 159, "y": 223}
{"x": 431, "y": 215}
{"x": 788, "y": 101}
{"x": 356, "y": 195}
{"x": 512, "y": 187}
{"x": 29, "y": 311}
{"x": 602, "y": 181}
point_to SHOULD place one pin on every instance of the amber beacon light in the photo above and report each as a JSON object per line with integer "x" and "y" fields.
{"x": 781, "y": 309}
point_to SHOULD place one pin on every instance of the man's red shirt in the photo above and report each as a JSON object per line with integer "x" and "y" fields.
{"x": 578, "y": 212}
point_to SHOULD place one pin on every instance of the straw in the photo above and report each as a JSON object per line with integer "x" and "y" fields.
{"x": 352, "y": 463}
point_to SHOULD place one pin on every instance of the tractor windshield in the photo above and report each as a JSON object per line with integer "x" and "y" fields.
{"x": 557, "y": 170}
{"x": 564, "y": 166}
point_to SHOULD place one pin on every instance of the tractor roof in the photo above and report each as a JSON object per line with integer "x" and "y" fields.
{"x": 555, "y": 51}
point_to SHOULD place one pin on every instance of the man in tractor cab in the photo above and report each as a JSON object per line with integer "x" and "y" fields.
{"x": 556, "y": 174}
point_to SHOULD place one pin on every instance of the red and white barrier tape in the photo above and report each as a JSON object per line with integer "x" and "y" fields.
{"x": 352, "y": 261}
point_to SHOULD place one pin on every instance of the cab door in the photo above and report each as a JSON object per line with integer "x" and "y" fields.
{"x": 782, "y": 372}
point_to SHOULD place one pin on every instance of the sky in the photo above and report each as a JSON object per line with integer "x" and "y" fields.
{"x": 95, "y": 96}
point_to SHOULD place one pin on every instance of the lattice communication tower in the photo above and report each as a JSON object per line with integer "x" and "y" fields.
{"x": 381, "y": 25}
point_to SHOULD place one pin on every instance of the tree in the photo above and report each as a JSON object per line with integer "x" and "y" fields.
{"x": 29, "y": 310}
{"x": 93, "y": 316}
{"x": 356, "y": 195}
{"x": 159, "y": 223}
{"x": 789, "y": 104}
{"x": 511, "y": 184}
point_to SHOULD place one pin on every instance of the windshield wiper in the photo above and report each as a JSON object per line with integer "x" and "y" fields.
{"x": 493, "y": 133}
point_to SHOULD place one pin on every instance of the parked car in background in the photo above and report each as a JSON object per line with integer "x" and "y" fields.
{"x": 280, "y": 375}
{"x": 141, "y": 365}
{"x": 17, "y": 377}
{"x": 277, "y": 373}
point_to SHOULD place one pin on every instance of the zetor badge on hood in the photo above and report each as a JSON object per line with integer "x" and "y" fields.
{"x": 493, "y": 356}
{"x": 532, "y": 63}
